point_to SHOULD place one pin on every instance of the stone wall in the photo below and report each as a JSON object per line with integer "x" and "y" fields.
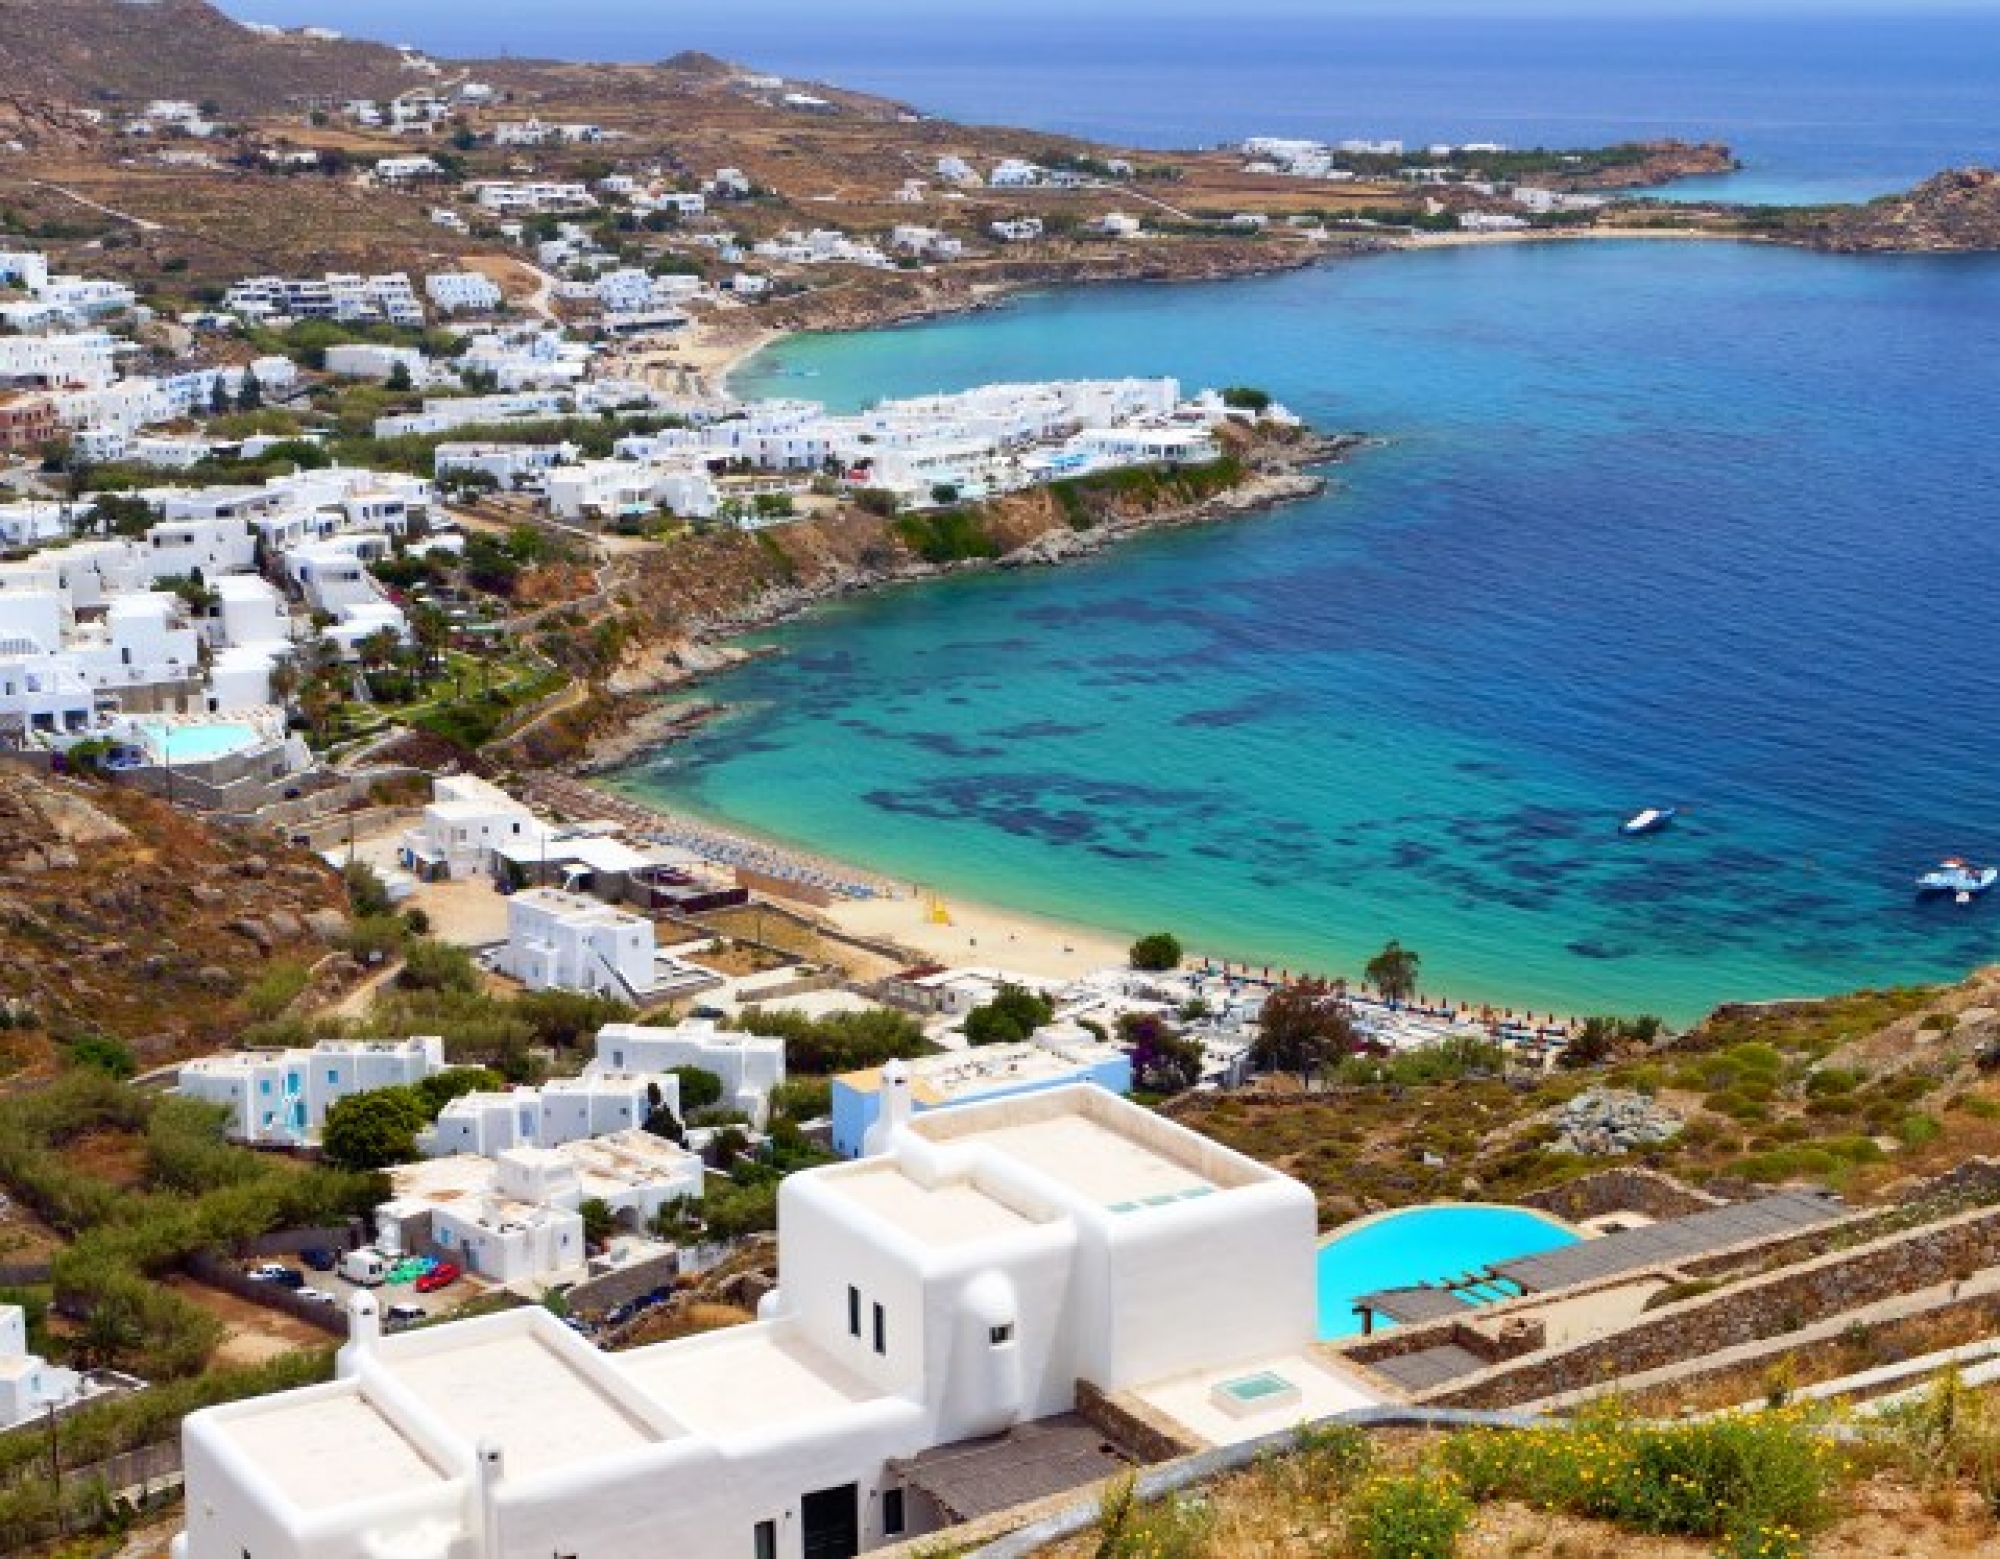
{"x": 1763, "y": 1307}
{"x": 1621, "y": 1191}
{"x": 1131, "y": 1424}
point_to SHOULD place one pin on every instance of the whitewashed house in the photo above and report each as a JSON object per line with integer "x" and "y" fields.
{"x": 564, "y": 941}
{"x": 959, "y": 1285}
{"x": 748, "y": 1065}
{"x": 458, "y": 292}
{"x": 29, "y": 1384}
{"x": 598, "y": 1103}
{"x": 280, "y": 1097}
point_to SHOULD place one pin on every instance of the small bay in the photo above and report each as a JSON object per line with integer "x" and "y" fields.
{"x": 1656, "y": 522}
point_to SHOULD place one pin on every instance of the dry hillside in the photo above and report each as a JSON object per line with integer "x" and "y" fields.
{"x": 121, "y": 916}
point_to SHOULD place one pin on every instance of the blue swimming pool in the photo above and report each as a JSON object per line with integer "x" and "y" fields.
{"x": 199, "y": 743}
{"x": 1423, "y": 1244}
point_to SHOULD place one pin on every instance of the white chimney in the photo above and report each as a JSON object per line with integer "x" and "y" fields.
{"x": 894, "y": 1114}
{"x": 364, "y": 1330}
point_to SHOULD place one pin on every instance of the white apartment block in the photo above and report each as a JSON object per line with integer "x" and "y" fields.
{"x": 79, "y": 360}
{"x": 959, "y": 1285}
{"x": 338, "y": 296}
{"x": 598, "y": 1103}
{"x": 563, "y": 941}
{"x": 614, "y": 489}
{"x": 280, "y": 1097}
{"x": 466, "y": 821}
{"x": 500, "y": 196}
{"x": 749, "y": 1065}
{"x": 462, "y": 292}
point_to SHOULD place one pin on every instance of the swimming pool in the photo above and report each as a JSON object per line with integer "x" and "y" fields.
{"x": 1423, "y": 1244}
{"x": 199, "y": 743}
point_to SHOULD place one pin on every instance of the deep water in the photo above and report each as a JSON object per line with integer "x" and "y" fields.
{"x": 1656, "y": 522}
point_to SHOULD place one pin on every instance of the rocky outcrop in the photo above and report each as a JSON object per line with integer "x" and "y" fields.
{"x": 1957, "y": 211}
{"x": 1650, "y": 164}
{"x": 1602, "y": 1122}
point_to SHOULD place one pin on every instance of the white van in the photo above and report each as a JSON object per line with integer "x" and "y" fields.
{"x": 365, "y": 1268}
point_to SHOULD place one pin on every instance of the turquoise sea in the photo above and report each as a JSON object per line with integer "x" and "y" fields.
{"x": 1706, "y": 524}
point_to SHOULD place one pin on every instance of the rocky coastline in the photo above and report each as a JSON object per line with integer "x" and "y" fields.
{"x": 683, "y": 650}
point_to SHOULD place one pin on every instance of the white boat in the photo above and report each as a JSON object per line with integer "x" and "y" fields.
{"x": 1650, "y": 821}
{"x": 1959, "y": 878}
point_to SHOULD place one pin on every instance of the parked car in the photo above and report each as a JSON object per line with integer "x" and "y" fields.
{"x": 403, "y": 1314}
{"x": 319, "y": 1258}
{"x": 288, "y": 1277}
{"x": 318, "y": 1296}
{"x": 365, "y": 1268}
{"x": 268, "y": 1272}
{"x": 443, "y": 1275}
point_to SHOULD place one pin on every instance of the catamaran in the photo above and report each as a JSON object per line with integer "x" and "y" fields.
{"x": 1650, "y": 821}
{"x": 1958, "y": 878}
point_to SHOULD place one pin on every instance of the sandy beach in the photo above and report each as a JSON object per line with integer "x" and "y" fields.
{"x": 979, "y": 934}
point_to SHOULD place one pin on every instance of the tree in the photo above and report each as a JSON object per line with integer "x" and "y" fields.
{"x": 250, "y": 395}
{"x": 1162, "y": 1060}
{"x": 377, "y": 649}
{"x": 1159, "y": 951}
{"x": 399, "y": 381}
{"x": 366, "y": 895}
{"x": 661, "y": 1121}
{"x": 373, "y": 1130}
{"x": 1393, "y": 972}
{"x": 598, "y": 1220}
{"x": 1304, "y": 1028}
{"x": 700, "y": 1087}
{"x": 110, "y": 1336}
{"x": 1010, "y": 1017}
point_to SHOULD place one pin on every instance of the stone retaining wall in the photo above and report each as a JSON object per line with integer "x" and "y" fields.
{"x": 1624, "y": 1190}
{"x": 1129, "y": 1423}
{"x": 1763, "y": 1307}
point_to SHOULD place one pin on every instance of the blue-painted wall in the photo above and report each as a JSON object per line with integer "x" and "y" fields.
{"x": 855, "y": 1109}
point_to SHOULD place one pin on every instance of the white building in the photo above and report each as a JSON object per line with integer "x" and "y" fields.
{"x": 958, "y": 1286}
{"x": 280, "y": 1097}
{"x": 29, "y": 1384}
{"x": 599, "y": 1103}
{"x": 514, "y": 1218}
{"x": 462, "y": 291}
{"x": 564, "y": 941}
{"x": 748, "y": 1065}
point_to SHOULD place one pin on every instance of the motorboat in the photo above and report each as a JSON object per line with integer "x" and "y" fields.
{"x": 1960, "y": 879}
{"x": 1650, "y": 821}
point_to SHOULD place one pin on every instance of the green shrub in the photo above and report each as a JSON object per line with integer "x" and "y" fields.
{"x": 1918, "y": 1128}
{"x": 1723, "y": 1478}
{"x": 1419, "y": 1516}
{"x": 946, "y": 536}
{"x": 276, "y": 988}
{"x": 1158, "y": 951}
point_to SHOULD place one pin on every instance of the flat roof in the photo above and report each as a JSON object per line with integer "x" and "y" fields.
{"x": 1106, "y": 1166}
{"x": 955, "y": 1213}
{"x": 747, "y": 1378}
{"x": 512, "y": 1388}
{"x": 329, "y": 1450}
{"x": 958, "y": 1074}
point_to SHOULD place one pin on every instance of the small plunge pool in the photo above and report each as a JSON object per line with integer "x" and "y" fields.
{"x": 1424, "y": 1245}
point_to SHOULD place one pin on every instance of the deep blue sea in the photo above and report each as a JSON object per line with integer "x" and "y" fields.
{"x": 1688, "y": 523}
{"x": 1823, "y": 102}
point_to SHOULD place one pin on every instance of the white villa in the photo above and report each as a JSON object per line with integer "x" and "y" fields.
{"x": 279, "y": 1098}
{"x": 994, "y": 1259}
{"x": 514, "y": 1217}
{"x": 749, "y": 1065}
{"x": 558, "y": 940}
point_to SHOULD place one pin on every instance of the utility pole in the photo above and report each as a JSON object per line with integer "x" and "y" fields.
{"x": 55, "y": 1473}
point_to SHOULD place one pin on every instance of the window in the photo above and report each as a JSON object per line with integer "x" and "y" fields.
{"x": 892, "y": 1512}
{"x": 1000, "y": 1336}
{"x": 765, "y": 1540}
{"x": 881, "y": 1331}
{"x": 853, "y": 1311}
